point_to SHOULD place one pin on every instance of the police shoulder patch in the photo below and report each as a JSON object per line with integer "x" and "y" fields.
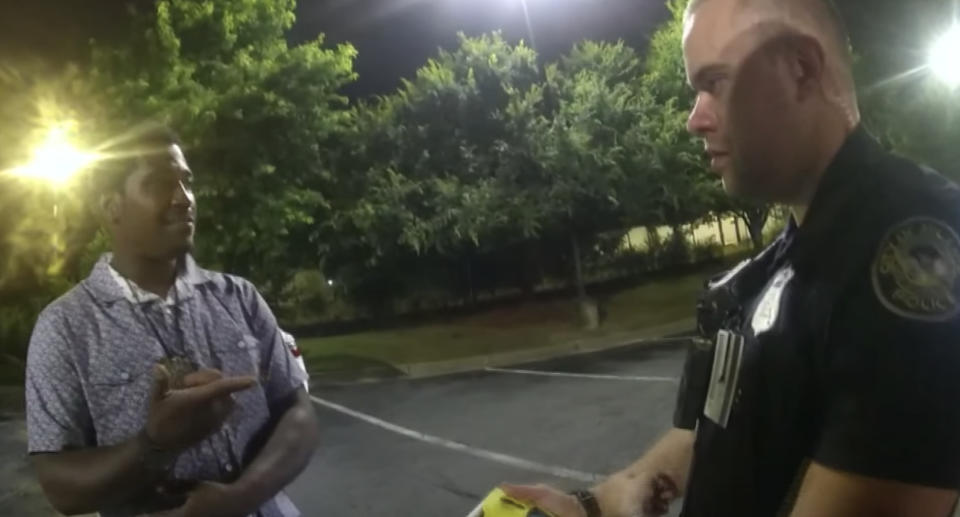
{"x": 916, "y": 273}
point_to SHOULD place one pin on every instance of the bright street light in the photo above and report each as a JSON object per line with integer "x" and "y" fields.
{"x": 945, "y": 57}
{"x": 56, "y": 159}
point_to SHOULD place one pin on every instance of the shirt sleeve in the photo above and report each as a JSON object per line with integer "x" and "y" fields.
{"x": 281, "y": 374}
{"x": 57, "y": 413}
{"x": 890, "y": 369}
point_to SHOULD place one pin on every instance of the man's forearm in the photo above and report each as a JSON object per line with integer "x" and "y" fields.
{"x": 90, "y": 480}
{"x": 285, "y": 455}
{"x": 671, "y": 456}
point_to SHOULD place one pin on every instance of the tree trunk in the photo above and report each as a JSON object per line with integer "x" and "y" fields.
{"x": 756, "y": 233}
{"x": 589, "y": 311}
{"x": 530, "y": 276}
{"x": 755, "y": 220}
{"x": 472, "y": 293}
{"x": 577, "y": 268}
{"x": 736, "y": 228}
{"x": 723, "y": 240}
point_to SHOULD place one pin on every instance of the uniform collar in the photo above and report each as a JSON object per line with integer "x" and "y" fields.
{"x": 109, "y": 286}
{"x": 835, "y": 197}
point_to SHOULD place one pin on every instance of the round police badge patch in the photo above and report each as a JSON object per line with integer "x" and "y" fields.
{"x": 916, "y": 273}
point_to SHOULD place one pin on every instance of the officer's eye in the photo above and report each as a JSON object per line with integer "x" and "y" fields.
{"x": 714, "y": 85}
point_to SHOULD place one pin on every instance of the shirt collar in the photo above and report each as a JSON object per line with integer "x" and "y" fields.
{"x": 110, "y": 286}
{"x": 835, "y": 195}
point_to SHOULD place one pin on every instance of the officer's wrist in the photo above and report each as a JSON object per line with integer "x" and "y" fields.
{"x": 588, "y": 502}
{"x": 610, "y": 492}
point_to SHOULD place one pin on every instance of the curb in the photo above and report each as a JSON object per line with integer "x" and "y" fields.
{"x": 573, "y": 348}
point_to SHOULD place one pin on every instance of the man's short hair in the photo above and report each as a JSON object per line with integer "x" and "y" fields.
{"x": 122, "y": 158}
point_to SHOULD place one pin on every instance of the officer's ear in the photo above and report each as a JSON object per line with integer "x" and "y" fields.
{"x": 807, "y": 65}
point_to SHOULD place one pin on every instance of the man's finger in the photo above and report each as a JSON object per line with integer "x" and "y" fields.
{"x": 222, "y": 387}
{"x": 201, "y": 377}
{"x": 161, "y": 382}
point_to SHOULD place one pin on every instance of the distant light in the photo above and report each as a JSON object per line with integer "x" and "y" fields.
{"x": 330, "y": 283}
{"x": 945, "y": 57}
{"x": 56, "y": 159}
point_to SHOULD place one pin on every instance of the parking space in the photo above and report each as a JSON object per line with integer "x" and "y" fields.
{"x": 436, "y": 447}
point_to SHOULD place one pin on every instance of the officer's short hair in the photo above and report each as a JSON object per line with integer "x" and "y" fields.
{"x": 820, "y": 19}
{"x": 825, "y": 12}
{"x": 121, "y": 159}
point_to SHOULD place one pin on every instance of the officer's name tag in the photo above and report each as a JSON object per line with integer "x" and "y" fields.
{"x": 723, "y": 378}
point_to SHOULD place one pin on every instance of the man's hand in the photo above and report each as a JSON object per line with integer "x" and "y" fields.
{"x": 210, "y": 500}
{"x": 179, "y": 418}
{"x": 623, "y": 495}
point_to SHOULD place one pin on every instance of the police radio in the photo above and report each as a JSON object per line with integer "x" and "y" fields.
{"x": 720, "y": 308}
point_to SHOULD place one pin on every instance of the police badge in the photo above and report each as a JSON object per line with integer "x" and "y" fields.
{"x": 916, "y": 273}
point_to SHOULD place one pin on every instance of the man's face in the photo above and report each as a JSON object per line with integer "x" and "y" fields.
{"x": 156, "y": 214}
{"x": 746, "y": 109}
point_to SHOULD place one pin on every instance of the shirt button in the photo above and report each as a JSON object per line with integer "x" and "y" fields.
{"x": 228, "y": 467}
{"x": 125, "y": 376}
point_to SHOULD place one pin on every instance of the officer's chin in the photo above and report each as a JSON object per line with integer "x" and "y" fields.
{"x": 731, "y": 184}
{"x": 741, "y": 188}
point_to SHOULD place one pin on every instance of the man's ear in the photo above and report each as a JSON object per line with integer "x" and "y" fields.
{"x": 110, "y": 207}
{"x": 808, "y": 66}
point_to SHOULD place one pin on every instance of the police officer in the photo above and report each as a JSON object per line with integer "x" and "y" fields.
{"x": 829, "y": 385}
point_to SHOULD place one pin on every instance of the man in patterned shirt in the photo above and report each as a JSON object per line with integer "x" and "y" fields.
{"x": 155, "y": 386}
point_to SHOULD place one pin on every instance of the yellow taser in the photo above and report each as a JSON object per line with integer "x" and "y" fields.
{"x": 498, "y": 504}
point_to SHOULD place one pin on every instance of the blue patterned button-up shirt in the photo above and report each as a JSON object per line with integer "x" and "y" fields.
{"x": 89, "y": 367}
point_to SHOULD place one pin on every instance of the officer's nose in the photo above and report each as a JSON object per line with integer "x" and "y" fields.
{"x": 703, "y": 118}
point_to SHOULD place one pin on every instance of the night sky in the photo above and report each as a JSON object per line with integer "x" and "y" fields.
{"x": 393, "y": 37}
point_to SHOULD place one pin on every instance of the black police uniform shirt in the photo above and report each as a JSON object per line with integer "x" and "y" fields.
{"x": 846, "y": 352}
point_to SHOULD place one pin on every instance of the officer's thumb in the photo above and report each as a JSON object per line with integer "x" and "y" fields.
{"x": 526, "y": 493}
{"x": 161, "y": 382}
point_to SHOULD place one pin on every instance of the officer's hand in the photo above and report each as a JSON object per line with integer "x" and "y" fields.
{"x": 182, "y": 417}
{"x": 546, "y": 498}
{"x": 636, "y": 494}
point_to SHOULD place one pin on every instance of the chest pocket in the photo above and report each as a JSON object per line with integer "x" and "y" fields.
{"x": 119, "y": 395}
{"x": 237, "y": 356}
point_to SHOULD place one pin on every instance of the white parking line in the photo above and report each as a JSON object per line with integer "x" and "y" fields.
{"x": 496, "y": 457}
{"x": 630, "y": 378}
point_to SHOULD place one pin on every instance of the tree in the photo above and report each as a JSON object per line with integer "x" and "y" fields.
{"x": 430, "y": 159}
{"x": 593, "y": 105}
{"x": 261, "y": 121}
{"x": 45, "y": 230}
